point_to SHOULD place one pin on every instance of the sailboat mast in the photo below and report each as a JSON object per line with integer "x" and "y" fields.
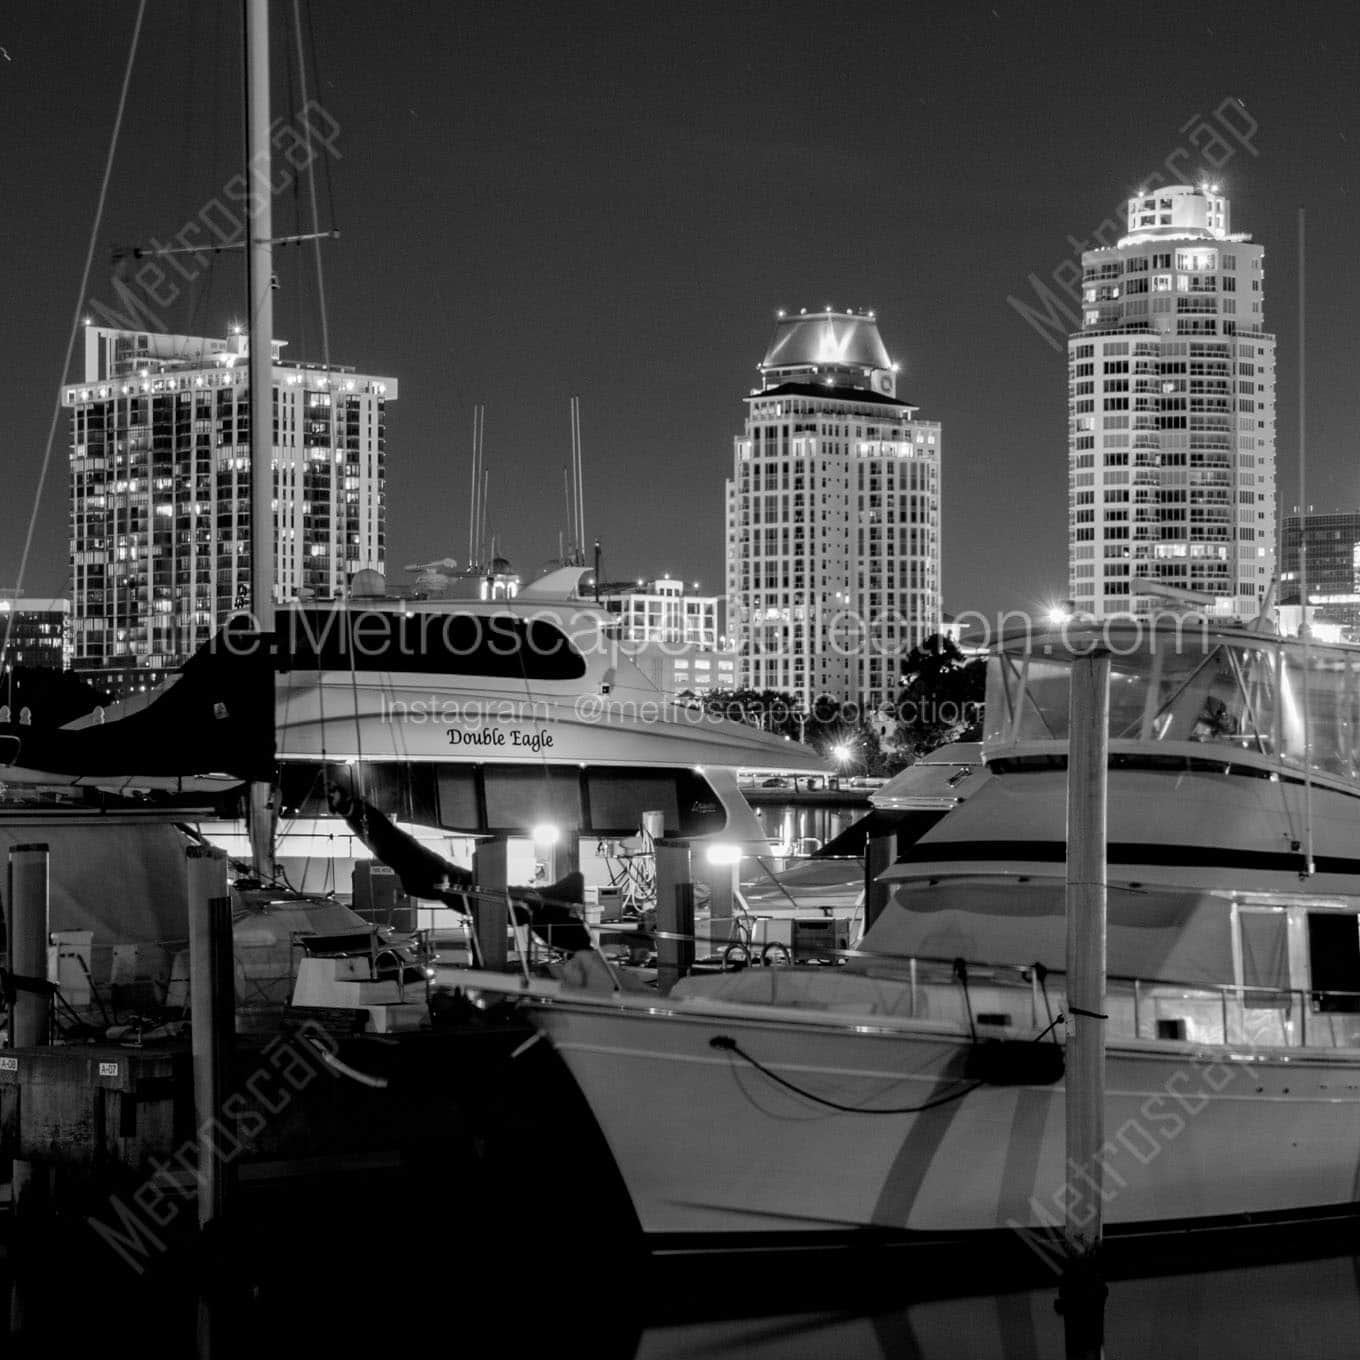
{"x": 259, "y": 281}
{"x": 259, "y": 288}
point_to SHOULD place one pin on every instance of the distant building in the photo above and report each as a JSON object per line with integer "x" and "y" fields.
{"x": 1171, "y": 413}
{"x": 39, "y": 631}
{"x": 676, "y": 639}
{"x": 160, "y": 492}
{"x": 661, "y": 611}
{"x": 833, "y": 516}
{"x": 1332, "y": 539}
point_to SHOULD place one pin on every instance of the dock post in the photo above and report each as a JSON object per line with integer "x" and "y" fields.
{"x": 28, "y": 941}
{"x": 1082, "y": 1294}
{"x": 722, "y": 874}
{"x": 31, "y": 1017}
{"x": 674, "y": 914}
{"x": 879, "y": 852}
{"x": 490, "y": 909}
{"x": 212, "y": 1019}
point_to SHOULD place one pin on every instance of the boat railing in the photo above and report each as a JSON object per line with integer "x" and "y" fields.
{"x": 1257, "y": 1016}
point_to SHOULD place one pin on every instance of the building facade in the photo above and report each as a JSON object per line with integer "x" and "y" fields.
{"x": 677, "y": 639}
{"x": 160, "y": 492}
{"x": 833, "y": 517}
{"x": 1171, "y": 414}
{"x": 36, "y": 632}
{"x": 1332, "y": 560}
{"x": 662, "y": 611}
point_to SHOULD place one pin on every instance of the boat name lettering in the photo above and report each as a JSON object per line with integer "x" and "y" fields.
{"x": 536, "y": 740}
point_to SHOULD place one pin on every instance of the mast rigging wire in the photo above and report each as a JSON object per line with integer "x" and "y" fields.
{"x": 79, "y": 310}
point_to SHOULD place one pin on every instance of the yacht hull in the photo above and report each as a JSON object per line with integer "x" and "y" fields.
{"x": 709, "y": 1145}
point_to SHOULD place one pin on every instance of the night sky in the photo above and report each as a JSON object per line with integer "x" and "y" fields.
{"x": 613, "y": 200}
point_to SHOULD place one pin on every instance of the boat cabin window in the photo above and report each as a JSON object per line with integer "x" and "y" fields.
{"x": 1334, "y": 960}
{"x": 525, "y": 797}
{"x": 1263, "y": 940}
{"x": 617, "y": 798}
{"x": 458, "y": 802}
{"x": 479, "y": 799}
{"x": 1202, "y": 690}
{"x": 500, "y": 646}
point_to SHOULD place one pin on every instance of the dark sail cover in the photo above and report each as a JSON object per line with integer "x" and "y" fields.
{"x": 216, "y": 716}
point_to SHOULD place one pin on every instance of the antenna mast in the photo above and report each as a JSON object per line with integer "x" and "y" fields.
{"x": 481, "y": 536}
{"x": 478, "y": 415}
{"x": 580, "y": 526}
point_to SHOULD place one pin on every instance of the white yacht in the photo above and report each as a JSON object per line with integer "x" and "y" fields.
{"x": 456, "y": 718}
{"x": 803, "y": 1102}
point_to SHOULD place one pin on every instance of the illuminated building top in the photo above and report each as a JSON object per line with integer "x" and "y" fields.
{"x": 840, "y": 349}
{"x": 1180, "y": 212}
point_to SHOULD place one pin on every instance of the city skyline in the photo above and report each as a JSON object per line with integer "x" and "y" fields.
{"x": 616, "y": 208}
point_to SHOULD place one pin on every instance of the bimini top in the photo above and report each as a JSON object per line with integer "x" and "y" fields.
{"x": 818, "y": 339}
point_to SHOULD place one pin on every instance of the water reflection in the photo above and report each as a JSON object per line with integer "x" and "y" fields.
{"x": 1297, "y": 1308}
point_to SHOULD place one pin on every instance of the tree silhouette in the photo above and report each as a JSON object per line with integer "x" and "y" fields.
{"x": 942, "y": 696}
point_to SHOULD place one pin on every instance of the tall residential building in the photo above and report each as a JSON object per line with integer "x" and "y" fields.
{"x": 36, "y": 633}
{"x": 160, "y": 492}
{"x": 833, "y": 516}
{"x": 1332, "y": 539}
{"x": 1171, "y": 405}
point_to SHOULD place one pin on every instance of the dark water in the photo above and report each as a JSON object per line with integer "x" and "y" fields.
{"x": 1291, "y": 1309}
{"x": 549, "y": 1287}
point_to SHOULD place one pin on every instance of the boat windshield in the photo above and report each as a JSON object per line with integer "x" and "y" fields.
{"x": 1297, "y": 705}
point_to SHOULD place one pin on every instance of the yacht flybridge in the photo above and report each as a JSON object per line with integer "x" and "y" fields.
{"x": 873, "y": 1096}
{"x": 456, "y": 718}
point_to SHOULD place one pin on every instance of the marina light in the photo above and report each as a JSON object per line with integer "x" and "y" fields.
{"x": 842, "y": 751}
{"x": 1058, "y": 613}
{"x": 721, "y": 852}
{"x": 545, "y": 834}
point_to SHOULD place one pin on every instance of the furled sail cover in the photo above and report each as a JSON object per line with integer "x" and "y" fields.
{"x": 215, "y": 716}
{"x": 1175, "y": 935}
